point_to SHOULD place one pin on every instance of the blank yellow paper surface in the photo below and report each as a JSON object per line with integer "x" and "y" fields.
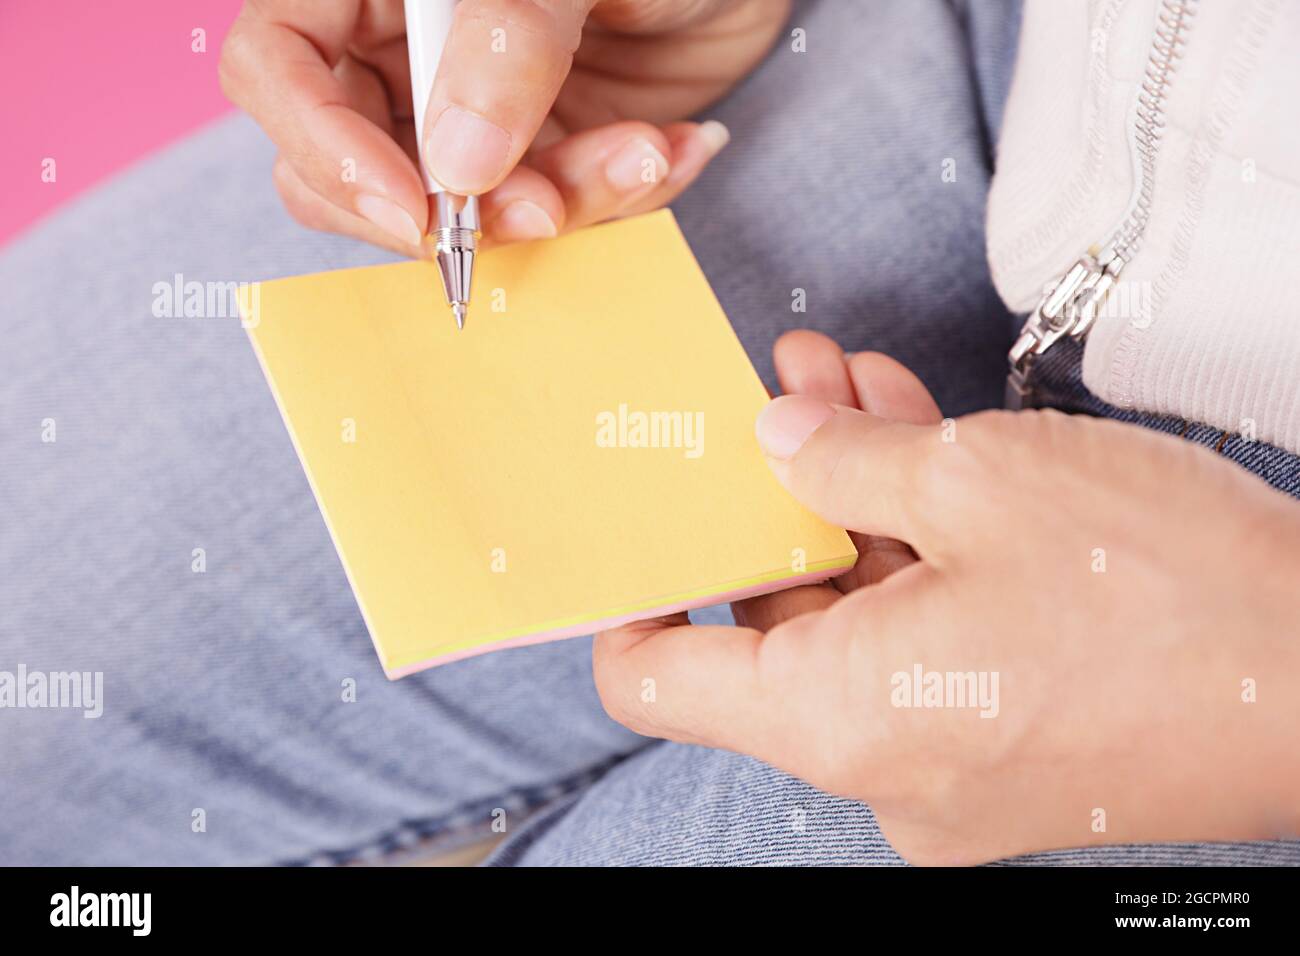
{"x": 464, "y": 475}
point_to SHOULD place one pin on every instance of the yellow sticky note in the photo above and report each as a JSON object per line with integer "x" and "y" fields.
{"x": 581, "y": 455}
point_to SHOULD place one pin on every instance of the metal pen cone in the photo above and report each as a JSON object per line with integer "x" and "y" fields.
{"x": 453, "y": 235}
{"x": 456, "y": 267}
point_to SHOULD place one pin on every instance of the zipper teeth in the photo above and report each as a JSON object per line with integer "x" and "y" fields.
{"x": 1070, "y": 306}
{"x": 1172, "y": 23}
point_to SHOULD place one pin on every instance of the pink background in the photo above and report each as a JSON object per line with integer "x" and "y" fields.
{"x": 94, "y": 85}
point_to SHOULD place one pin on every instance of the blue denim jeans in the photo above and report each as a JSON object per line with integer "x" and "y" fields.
{"x": 167, "y": 537}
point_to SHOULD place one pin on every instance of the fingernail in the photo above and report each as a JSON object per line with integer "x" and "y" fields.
{"x": 788, "y": 422}
{"x": 390, "y": 217}
{"x": 523, "y": 220}
{"x": 635, "y": 166}
{"x": 466, "y": 152}
{"x": 714, "y": 134}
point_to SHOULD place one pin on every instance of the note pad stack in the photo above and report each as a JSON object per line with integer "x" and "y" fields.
{"x": 581, "y": 455}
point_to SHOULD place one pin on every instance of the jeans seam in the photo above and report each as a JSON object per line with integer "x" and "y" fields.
{"x": 456, "y": 826}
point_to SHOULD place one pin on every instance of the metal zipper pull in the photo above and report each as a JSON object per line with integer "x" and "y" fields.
{"x": 1071, "y": 304}
{"x": 1069, "y": 308}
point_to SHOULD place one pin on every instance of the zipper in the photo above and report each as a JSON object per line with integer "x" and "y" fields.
{"x": 1072, "y": 302}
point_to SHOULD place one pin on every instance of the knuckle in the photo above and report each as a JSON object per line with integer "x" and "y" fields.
{"x": 554, "y": 21}
{"x": 786, "y": 643}
{"x": 834, "y": 460}
{"x": 617, "y": 698}
{"x": 993, "y": 431}
{"x": 840, "y": 469}
{"x": 1042, "y": 446}
{"x": 922, "y": 462}
{"x": 917, "y": 488}
{"x": 237, "y": 53}
{"x": 987, "y": 446}
{"x": 617, "y": 706}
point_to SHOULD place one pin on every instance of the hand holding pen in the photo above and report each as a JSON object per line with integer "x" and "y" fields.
{"x": 556, "y": 113}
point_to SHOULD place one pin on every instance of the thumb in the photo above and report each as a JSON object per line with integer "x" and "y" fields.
{"x": 855, "y": 470}
{"x": 501, "y": 69}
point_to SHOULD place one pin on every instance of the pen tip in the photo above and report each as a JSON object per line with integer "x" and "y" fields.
{"x": 458, "y": 310}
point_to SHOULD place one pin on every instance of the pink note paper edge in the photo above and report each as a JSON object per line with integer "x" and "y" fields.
{"x": 591, "y": 627}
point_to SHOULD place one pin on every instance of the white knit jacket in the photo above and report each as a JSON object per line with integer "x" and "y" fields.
{"x": 1209, "y": 329}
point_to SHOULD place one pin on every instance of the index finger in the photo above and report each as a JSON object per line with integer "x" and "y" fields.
{"x": 278, "y": 64}
{"x": 799, "y": 697}
{"x": 731, "y": 687}
{"x": 651, "y": 676}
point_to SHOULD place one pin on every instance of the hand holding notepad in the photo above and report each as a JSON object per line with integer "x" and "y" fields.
{"x": 581, "y": 456}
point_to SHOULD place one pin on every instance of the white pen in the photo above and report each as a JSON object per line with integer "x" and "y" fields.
{"x": 453, "y": 220}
